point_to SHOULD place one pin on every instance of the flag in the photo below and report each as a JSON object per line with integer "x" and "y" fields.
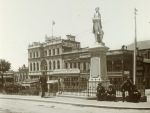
{"x": 53, "y": 23}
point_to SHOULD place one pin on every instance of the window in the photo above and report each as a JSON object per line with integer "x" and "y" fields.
{"x": 78, "y": 65}
{"x": 45, "y": 53}
{"x": 53, "y": 51}
{"x": 49, "y": 52}
{"x": 57, "y": 51}
{"x": 70, "y": 65}
{"x": 33, "y": 54}
{"x": 37, "y": 55}
{"x": 58, "y": 64}
{"x": 50, "y": 77}
{"x": 53, "y": 64}
{"x": 75, "y": 66}
{"x": 23, "y": 77}
{"x": 20, "y": 77}
{"x": 26, "y": 76}
{"x": 66, "y": 66}
{"x": 33, "y": 66}
{"x": 37, "y": 66}
{"x": 50, "y": 65}
{"x": 46, "y": 66}
{"x": 30, "y": 66}
{"x": 84, "y": 66}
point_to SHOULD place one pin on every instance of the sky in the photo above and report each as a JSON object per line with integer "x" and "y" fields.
{"x": 23, "y": 22}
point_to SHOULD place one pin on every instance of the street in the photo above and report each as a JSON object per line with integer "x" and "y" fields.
{"x": 21, "y": 106}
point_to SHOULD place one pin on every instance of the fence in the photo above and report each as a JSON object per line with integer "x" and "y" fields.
{"x": 80, "y": 87}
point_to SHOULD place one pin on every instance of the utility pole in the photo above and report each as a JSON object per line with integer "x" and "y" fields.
{"x": 135, "y": 49}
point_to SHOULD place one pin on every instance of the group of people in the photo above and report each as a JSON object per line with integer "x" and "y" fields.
{"x": 106, "y": 95}
{"x": 133, "y": 94}
{"x": 110, "y": 95}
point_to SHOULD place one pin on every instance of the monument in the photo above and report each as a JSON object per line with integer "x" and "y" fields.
{"x": 97, "y": 26}
{"x": 98, "y": 68}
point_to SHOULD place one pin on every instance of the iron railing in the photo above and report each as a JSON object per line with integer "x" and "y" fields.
{"x": 81, "y": 87}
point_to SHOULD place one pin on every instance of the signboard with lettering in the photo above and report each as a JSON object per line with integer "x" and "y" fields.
{"x": 139, "y": 66}
{"x": 71, "y": 44}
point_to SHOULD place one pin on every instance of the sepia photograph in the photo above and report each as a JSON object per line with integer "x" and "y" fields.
{"x": 74, "y": 56}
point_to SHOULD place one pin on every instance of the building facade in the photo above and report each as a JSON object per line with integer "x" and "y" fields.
{"x": 145, "y": 53}
{"x": 66, "y": 61}
{"x": 8, "y": 77}
{"x": 23, "y": 74}
{"x": 119, "y": 65}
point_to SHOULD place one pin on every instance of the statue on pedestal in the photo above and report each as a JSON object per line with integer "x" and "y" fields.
{"x": 97, "y": 26}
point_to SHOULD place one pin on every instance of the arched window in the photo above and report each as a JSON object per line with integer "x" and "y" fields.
{"x": 30, "y": 66}
{"x": 58, "y": 64}
{"x": 54, "y": 65}
{"x": 33, "y": 66}
{"x": 45, "y": 67}
{"x": 50, "y": 65}
{"x": 37, "y": 66}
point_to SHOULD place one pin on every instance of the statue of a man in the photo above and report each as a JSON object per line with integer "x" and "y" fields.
{"x": 97, "y": 26}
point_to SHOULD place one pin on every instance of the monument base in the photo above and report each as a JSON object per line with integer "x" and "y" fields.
{"x": 98, "y": 68}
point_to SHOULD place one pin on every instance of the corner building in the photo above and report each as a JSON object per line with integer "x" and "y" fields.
{"x": 57, "y": 53}
{"x": 52, "y": 51}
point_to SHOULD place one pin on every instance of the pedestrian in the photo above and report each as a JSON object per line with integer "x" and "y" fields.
{"x": 111, "y": 93}
{"x": 43, "y": 82}
{"x": 101, "y": 95}
{"x": 127, "y": 86}
{"x": 135, "y": 95}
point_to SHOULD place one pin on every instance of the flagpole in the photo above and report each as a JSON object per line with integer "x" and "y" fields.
{"x": 52, "y": 29}
{"x": 135, "y": 49}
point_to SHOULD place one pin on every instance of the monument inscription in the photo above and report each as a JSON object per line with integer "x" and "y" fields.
{"x": 95, "y": 67}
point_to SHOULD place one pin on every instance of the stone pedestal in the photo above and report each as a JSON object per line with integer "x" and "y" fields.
{"x": 98, "y": 68}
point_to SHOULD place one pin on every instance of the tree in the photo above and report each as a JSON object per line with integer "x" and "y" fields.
{"x": 4, "y": 66}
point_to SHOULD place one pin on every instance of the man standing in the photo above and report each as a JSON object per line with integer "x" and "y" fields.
{"x": 43, "y": 82}
{"x": 127, "y": 86}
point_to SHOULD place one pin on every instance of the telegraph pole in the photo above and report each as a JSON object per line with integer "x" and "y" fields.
{"x": 135, "y": 49}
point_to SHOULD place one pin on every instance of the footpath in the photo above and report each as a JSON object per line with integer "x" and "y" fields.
{"x": 82, "y": 102}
